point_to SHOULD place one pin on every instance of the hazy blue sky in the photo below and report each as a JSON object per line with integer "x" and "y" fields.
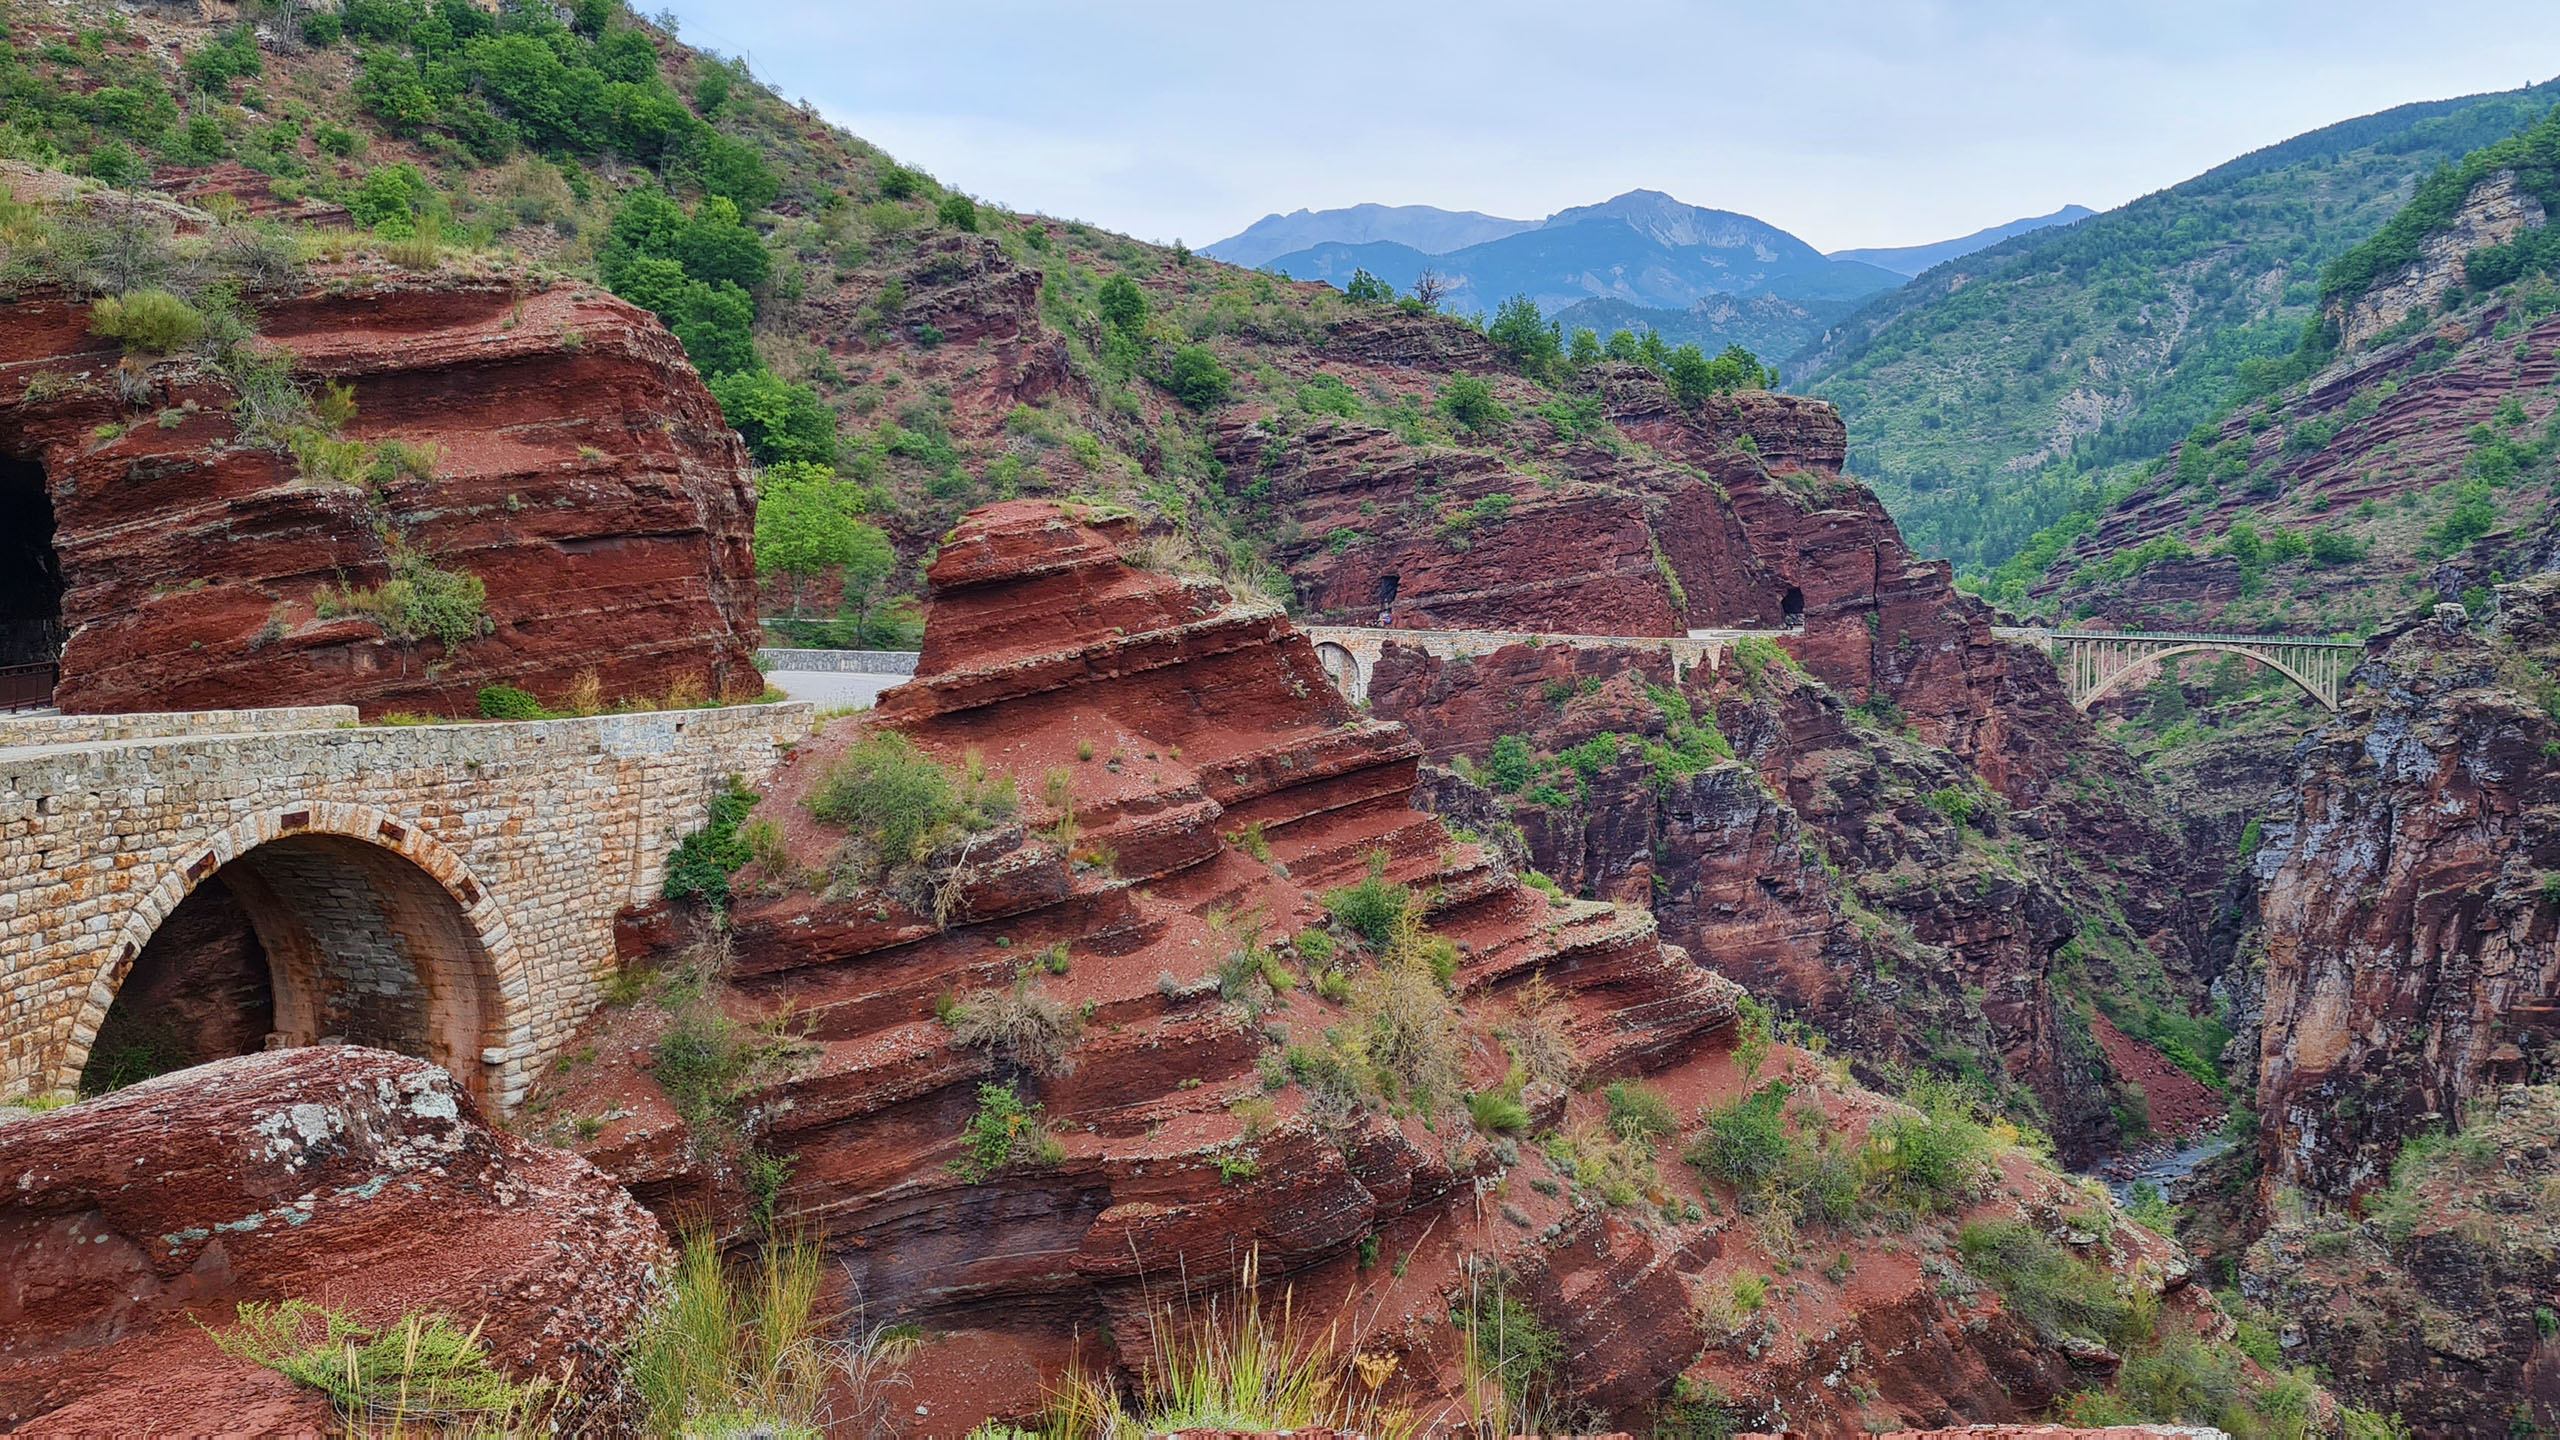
{"x": 1863, "y": 122}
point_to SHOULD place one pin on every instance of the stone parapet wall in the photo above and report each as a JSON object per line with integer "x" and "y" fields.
{"x": 839, "y": 662}
{"x": 1350, "y": 652}
{"x": 540, "y": 832}
{"x": 17, "y": 731}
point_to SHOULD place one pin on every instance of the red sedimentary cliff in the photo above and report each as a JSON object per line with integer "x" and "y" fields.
{"x": 2407, "y": 930}
{"x": 1732, "y": 514}
{"x": 1192, "y": 790}
{"x": 558, "y": 449}
{"x": 358, "y": 1180}
{"x": 1816, "y": 870}
{"x": 1858, "y": 876}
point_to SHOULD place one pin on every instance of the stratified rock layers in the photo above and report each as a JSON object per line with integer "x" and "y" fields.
{"x": 1218, "y": 787}
{"x": 2407, "y": 919}
{"x": 562, "y": 452}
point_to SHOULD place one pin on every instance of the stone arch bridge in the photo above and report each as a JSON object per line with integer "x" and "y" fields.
{"x": 184, "y": 886}
{"x": 1350, "y": 653}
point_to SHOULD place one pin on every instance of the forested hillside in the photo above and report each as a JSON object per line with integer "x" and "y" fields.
{"x": 1993, "y": 392}
{"x": 2416, "y": 420}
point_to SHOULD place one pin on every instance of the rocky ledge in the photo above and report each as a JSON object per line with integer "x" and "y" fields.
{"x": 132, "y": 1227}
{"x": 540, "y": 436}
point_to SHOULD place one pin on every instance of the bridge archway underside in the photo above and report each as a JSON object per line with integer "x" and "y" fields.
{"x": 447, "y": 890}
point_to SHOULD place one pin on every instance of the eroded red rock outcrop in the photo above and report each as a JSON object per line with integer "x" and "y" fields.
{"x": 2408, "y": 934}
{"x": 572, "y": 462}
{"x": 1734, "y": 513}
{"x": 355, "y": 1179}
{"x": 1218, "y": 787}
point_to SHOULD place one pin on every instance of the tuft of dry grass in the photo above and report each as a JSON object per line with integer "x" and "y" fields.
{"x": 1019, "y": 1025}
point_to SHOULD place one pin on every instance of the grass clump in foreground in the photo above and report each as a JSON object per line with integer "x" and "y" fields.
{"x": 1930, "y": 1158}
{"x": 423, "y": 1370}
{"x": 743, "y": 1349}
{"x": 1239, "y": 1363}
{"x": 707, "y": 1063}
{"x": 2053, "y": 1291}
{"x": 1514, "y": 1362}
{"x": 1374, "y": 909}
{"x": 898, "y": 805}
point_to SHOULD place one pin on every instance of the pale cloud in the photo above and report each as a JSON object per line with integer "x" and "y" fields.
{"x": 1858, "y": 122}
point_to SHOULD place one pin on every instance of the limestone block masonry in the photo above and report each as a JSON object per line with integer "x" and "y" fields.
{"x": 1350, "y": 653}
{"x": 538, "y": 833}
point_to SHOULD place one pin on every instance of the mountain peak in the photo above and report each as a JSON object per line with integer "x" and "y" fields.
{"x": 1668, "y": 220}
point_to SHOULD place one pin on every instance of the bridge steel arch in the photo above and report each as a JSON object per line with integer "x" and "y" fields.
{"x": 501, "y": 998}
{"x": 2097, "y": 663}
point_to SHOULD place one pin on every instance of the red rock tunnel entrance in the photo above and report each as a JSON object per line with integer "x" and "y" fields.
{"x": 310, "y": 939}
{"x": 30, "y": 572}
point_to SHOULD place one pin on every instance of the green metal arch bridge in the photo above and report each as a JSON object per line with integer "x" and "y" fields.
{"x": 2096, "y": 663}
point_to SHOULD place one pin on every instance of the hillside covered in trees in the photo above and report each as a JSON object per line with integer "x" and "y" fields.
{"x": 1995, "y": 392}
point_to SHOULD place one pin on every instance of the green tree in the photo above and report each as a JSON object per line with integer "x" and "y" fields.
{"x": 1365, "y": 286}
{"x": 1586, "y": 348}
{"x": 1468, "y": 402}
{"x": 957, "y": 211}
{"x": 1525, "y": 338}
{"x": 232, "y": 55}
{"x": 716, "y": 325}
{"x": 1198, "y": 379}
{"x": 714, "y": 246}
{"x": 1123, "y": 305}
{"x": 778, "y": 420}
{"x": 867, "y": 570}
{"x": 808, "y": 522}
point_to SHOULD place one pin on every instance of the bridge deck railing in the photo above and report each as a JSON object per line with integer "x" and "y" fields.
{"x": 2201, "y": 638}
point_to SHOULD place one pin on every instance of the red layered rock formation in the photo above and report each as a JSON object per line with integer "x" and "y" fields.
{"x": 1734, "y": 515}
{"x": 2408, "y": 932}
{"x": 579, "y": 470}
{"x": 359, "y": 1180}
{"x": 1812, "y": 867}
{"x": 1219, "y": 786}
{"x": 2362, "y": 449}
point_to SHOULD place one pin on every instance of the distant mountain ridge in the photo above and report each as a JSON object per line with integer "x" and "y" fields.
{"x": 1643, "y": 260}
{"x": 1643, "y": 247}
{"x": 1424, "y": 227}
{"x": 1912, "y": 259}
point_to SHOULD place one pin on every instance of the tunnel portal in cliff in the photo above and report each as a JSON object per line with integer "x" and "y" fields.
{"x": 30, "y": 571}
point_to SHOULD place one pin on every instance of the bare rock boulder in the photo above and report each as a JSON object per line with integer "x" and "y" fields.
{"x": 356, "y": 1179}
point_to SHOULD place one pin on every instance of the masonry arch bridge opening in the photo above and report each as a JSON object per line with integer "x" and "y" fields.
{"x": 30, "y": 578}
{"x": 307, "y": 939}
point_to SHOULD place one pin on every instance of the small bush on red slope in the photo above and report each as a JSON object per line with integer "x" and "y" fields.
{"x": 1004, "y": 1132}
{"x": 901, "y": 805}
{"x": 1374, "y": 908}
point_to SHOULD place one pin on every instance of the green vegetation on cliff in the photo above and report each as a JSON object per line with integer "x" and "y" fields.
{"x": 1986, "y": 399}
